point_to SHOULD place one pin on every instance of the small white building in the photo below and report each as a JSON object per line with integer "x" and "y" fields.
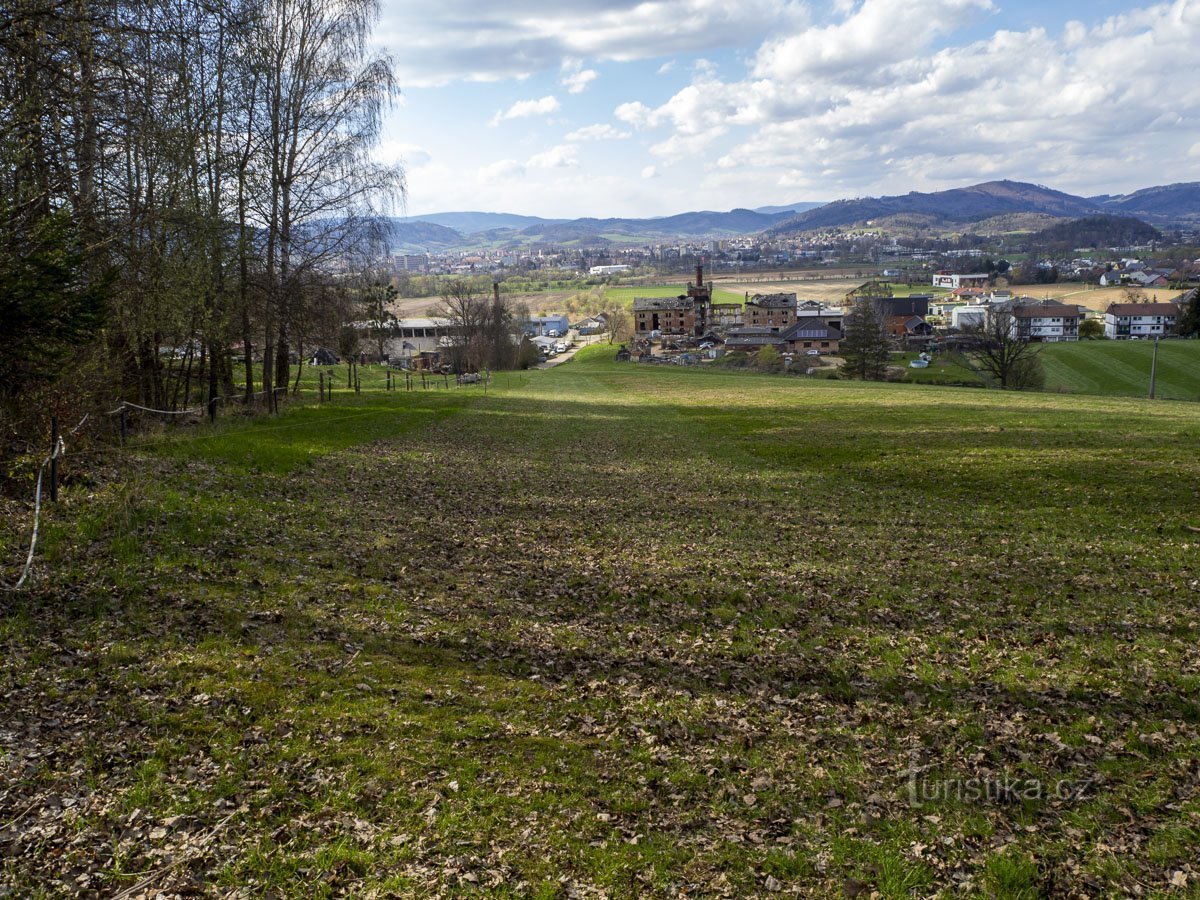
{"x": 608, "y": 270}
{"x": 408, "y": 337}
{"x": 967, "y": 316}
{"x": 1123, "y": 321}
{"x": 954, "y": 282}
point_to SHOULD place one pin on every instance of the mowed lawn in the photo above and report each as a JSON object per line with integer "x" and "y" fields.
{"x": 1123, "y": 368}
{"x": 611, "y": 630}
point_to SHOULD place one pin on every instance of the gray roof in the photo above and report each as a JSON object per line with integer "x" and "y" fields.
{"x": 775, "y": 301}
{"x": 812, "y": 329}
{"x": 649, "y": 303}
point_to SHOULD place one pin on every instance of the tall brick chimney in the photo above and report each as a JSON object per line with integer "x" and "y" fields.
{"x": 699, "y": 274}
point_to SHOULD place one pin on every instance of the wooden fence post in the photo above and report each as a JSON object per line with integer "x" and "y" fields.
{"x": 54, "y": 458}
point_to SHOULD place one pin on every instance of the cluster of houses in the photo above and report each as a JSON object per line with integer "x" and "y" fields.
{"x": 692, "y": 323}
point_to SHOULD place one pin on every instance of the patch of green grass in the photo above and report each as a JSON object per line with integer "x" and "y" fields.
{"x": 1123, "y": 368}
{"x": 616, "y": 628}
{"x": 1011, "y": 875}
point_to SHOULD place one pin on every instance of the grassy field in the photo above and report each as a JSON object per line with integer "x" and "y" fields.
{"x": 1122, "y": 368}
{"x": 626, "y": 294}
{"x": 614, "y": 630}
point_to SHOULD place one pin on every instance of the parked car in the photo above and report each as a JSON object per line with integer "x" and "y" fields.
{"x": 562, "y": 347}
{"x": 812, "y": 352}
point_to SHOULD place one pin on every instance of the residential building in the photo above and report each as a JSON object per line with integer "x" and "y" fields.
{"x": 1046, "y": 322}
{"x": 751, "y": 339}
{"x": 946, "y": 280}
{"x": 908, "y": 326}
{"x": 1123, "y": 321}
{"x": 811, "y": 333}
{"x": 968, "y": 316}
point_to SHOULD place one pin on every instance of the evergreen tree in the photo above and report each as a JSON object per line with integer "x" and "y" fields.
{"x": 865, "y": 346}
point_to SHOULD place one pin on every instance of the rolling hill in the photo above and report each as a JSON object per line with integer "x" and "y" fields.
{"x": 969, "y": 204}
{"x": 982, "y": 208}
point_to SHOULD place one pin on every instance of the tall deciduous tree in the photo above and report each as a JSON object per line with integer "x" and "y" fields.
{"x": 1011, "y": 361}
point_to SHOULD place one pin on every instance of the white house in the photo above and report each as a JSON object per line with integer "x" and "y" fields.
{"x": 1139, "y": 320}
{"x": 964, "y": 316}
{"x": 954, "y": 282}
{"x": 1046, "y": 322}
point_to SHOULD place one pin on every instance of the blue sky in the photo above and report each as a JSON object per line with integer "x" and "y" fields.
{"x": 615, "y": 108}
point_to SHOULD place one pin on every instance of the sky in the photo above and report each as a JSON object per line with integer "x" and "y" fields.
{"x": 573, "y": 108}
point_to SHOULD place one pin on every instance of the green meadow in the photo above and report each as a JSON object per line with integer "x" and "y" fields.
{"x": 613, "y": 630}
{"x": 1123, "y": 368}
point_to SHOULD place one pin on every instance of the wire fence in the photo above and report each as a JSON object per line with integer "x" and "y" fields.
{"x": 49, "y": 465}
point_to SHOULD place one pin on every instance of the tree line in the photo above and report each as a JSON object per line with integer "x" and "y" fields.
{"x": 188, "y": 193}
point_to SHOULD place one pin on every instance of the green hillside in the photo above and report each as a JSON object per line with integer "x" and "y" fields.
{"x": 614, "y": 630}
{"x": 1123, "y": 368}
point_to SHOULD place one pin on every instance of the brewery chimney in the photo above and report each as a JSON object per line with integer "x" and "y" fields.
{"x": 699, "y": 274}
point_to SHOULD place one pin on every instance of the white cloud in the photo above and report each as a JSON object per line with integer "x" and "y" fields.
{"x": 576, "y": 79}
{"x": 561, "y": 156}
{"x": 458, "y": 40}
{"x": 408, "y": 155}
{"x": 666, "y": 67}
{"x": 869, "y": 105}
{"x": 650, "y": 172}
{"x": 504, "y": 168}
{"x": 525, "y": 108}
{"x": 604, "y": 132}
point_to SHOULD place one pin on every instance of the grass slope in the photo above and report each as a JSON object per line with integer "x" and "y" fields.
{"x": 618, "y": 630}
{"x": 1123, "y": 368}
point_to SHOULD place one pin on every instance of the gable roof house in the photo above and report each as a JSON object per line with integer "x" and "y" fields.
{"x": 1046, "y": 322}
{"x": 811, "y": 333}
{"x": 751, "y": 339}
{"x": 908, "y": 326}
{"x": 1123, "y": 321}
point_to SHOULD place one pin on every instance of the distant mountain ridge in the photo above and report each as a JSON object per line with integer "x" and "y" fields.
{"x": 1169, "y": 204}
{"x": 1163, "y": 206}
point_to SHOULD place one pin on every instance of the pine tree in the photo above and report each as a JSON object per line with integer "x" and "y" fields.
{"x": 865, "y": 346}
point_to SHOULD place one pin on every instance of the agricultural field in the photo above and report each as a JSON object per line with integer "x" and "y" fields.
{"x": 1122, "y": 368}
{"x": 625, "y": 294}
{"x": 614, "y": 630}
{"x": 1086, "y": 295}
